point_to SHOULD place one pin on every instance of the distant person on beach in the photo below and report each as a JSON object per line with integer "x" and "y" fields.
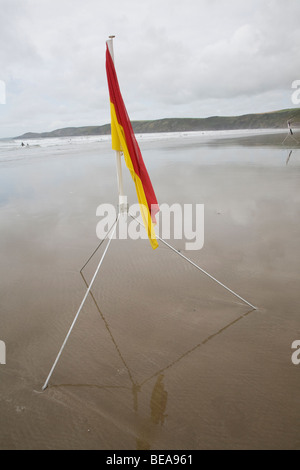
{"x": 289, "y": 126}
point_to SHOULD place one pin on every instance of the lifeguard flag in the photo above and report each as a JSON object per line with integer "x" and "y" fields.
{"x": 123, "y": 140}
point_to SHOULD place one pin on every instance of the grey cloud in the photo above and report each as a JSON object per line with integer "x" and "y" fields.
{"x": 200, "y": 58}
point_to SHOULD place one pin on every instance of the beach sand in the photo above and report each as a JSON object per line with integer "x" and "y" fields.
{"x": 161, "y": 357}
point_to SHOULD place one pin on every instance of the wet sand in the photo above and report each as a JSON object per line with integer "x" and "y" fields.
{"x": 161, "y": 357}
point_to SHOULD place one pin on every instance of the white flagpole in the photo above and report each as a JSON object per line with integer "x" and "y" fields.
{"x": 122, "y": 197}
{"x": 81, "y": 305}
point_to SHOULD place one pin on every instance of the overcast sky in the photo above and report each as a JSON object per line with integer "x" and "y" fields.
{"x": 191, "y": 58}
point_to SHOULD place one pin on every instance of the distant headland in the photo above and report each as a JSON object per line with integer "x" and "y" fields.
{"x": 270, "y": 120}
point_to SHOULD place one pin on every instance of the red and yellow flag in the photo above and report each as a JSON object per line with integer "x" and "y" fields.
{"x": 123, "y": 140}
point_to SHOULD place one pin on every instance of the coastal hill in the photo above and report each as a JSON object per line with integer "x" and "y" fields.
{"x": 271, "y": 120}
